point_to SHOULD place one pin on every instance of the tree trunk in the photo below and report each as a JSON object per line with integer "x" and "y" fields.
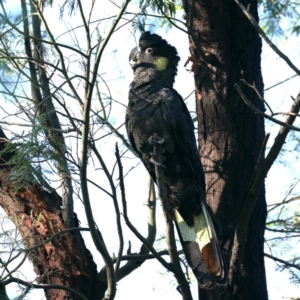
{"x": 37, "y": 215}
{"x": 230, "y": 134}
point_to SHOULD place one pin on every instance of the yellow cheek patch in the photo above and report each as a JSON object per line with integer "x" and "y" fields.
{"x": 161, "y": 63}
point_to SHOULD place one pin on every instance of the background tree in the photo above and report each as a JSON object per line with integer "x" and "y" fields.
{"x": 55, "y": 89}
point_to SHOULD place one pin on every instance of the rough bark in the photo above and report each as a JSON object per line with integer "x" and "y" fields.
{"x": 230, "y": 134}
{"x": 65, "y": 260}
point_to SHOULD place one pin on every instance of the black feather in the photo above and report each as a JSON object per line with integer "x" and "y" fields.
{"x": 156, "y": 108}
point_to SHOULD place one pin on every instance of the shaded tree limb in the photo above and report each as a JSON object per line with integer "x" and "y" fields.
{"x": 3, "y": 295}
{"x": 240, "y": 236}
{"x": 168, "y": 214}
{"x": 57, "y": 48}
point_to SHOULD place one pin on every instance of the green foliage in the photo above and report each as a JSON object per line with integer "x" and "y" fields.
{"x": 35, "y": 219}
{"x": 71, "y": 7}
{"x": 162, "y": 9}
{"x": 9, "y": 39}
{"x": 159, "y": 6}
{"x": 32, "y": 157}
{"x": 277, "y": 17}
{"x": 280, "y": 18}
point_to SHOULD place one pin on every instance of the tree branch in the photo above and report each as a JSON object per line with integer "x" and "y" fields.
{"x": 136, "y": 260}
{"x": 116, "y": 205}
{"x": 288, "y": 264}
{"x": 45, "y": 286}
{"x": 257, "y": 111}
{"x": 3, "y": 295}
{"x": 96, "y": 235}
{"x": 146, "y": 256}
{"x": 129, "y": 224}
{"x": 168, "y": 214}
{"x": 278, "y": 83}
{"x": 45, "y": 106}
{"x": 240, "y": 236}
{"x": 37, "y": 215}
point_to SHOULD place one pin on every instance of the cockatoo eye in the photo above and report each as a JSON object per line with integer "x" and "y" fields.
{"x": 149, "y": 50}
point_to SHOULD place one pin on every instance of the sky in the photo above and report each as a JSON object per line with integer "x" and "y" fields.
{"x": 151, "y": 280}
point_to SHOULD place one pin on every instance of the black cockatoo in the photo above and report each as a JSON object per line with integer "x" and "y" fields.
{"x": 156, "y": 108}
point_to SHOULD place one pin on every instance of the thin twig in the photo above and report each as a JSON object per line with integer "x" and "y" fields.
{"x": 129, "y": 224}
{"x": 119, "y": 226}
{"x": 25, "y": 34}
{"x": 28, "y": 250}
{"x": 133, "y": 263}
{"x": 257, "y": 111}
{"x": 285, "y": 201}
{"x": 36, "y": 125}
{"x": 96, "y": 235}
{"x": 46, "y": 286}
{"x": 278, "y": 83}
{"x": 258, "y": 94}
{"x": 146, "y": 256}
{"x": 285, "y": 231}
